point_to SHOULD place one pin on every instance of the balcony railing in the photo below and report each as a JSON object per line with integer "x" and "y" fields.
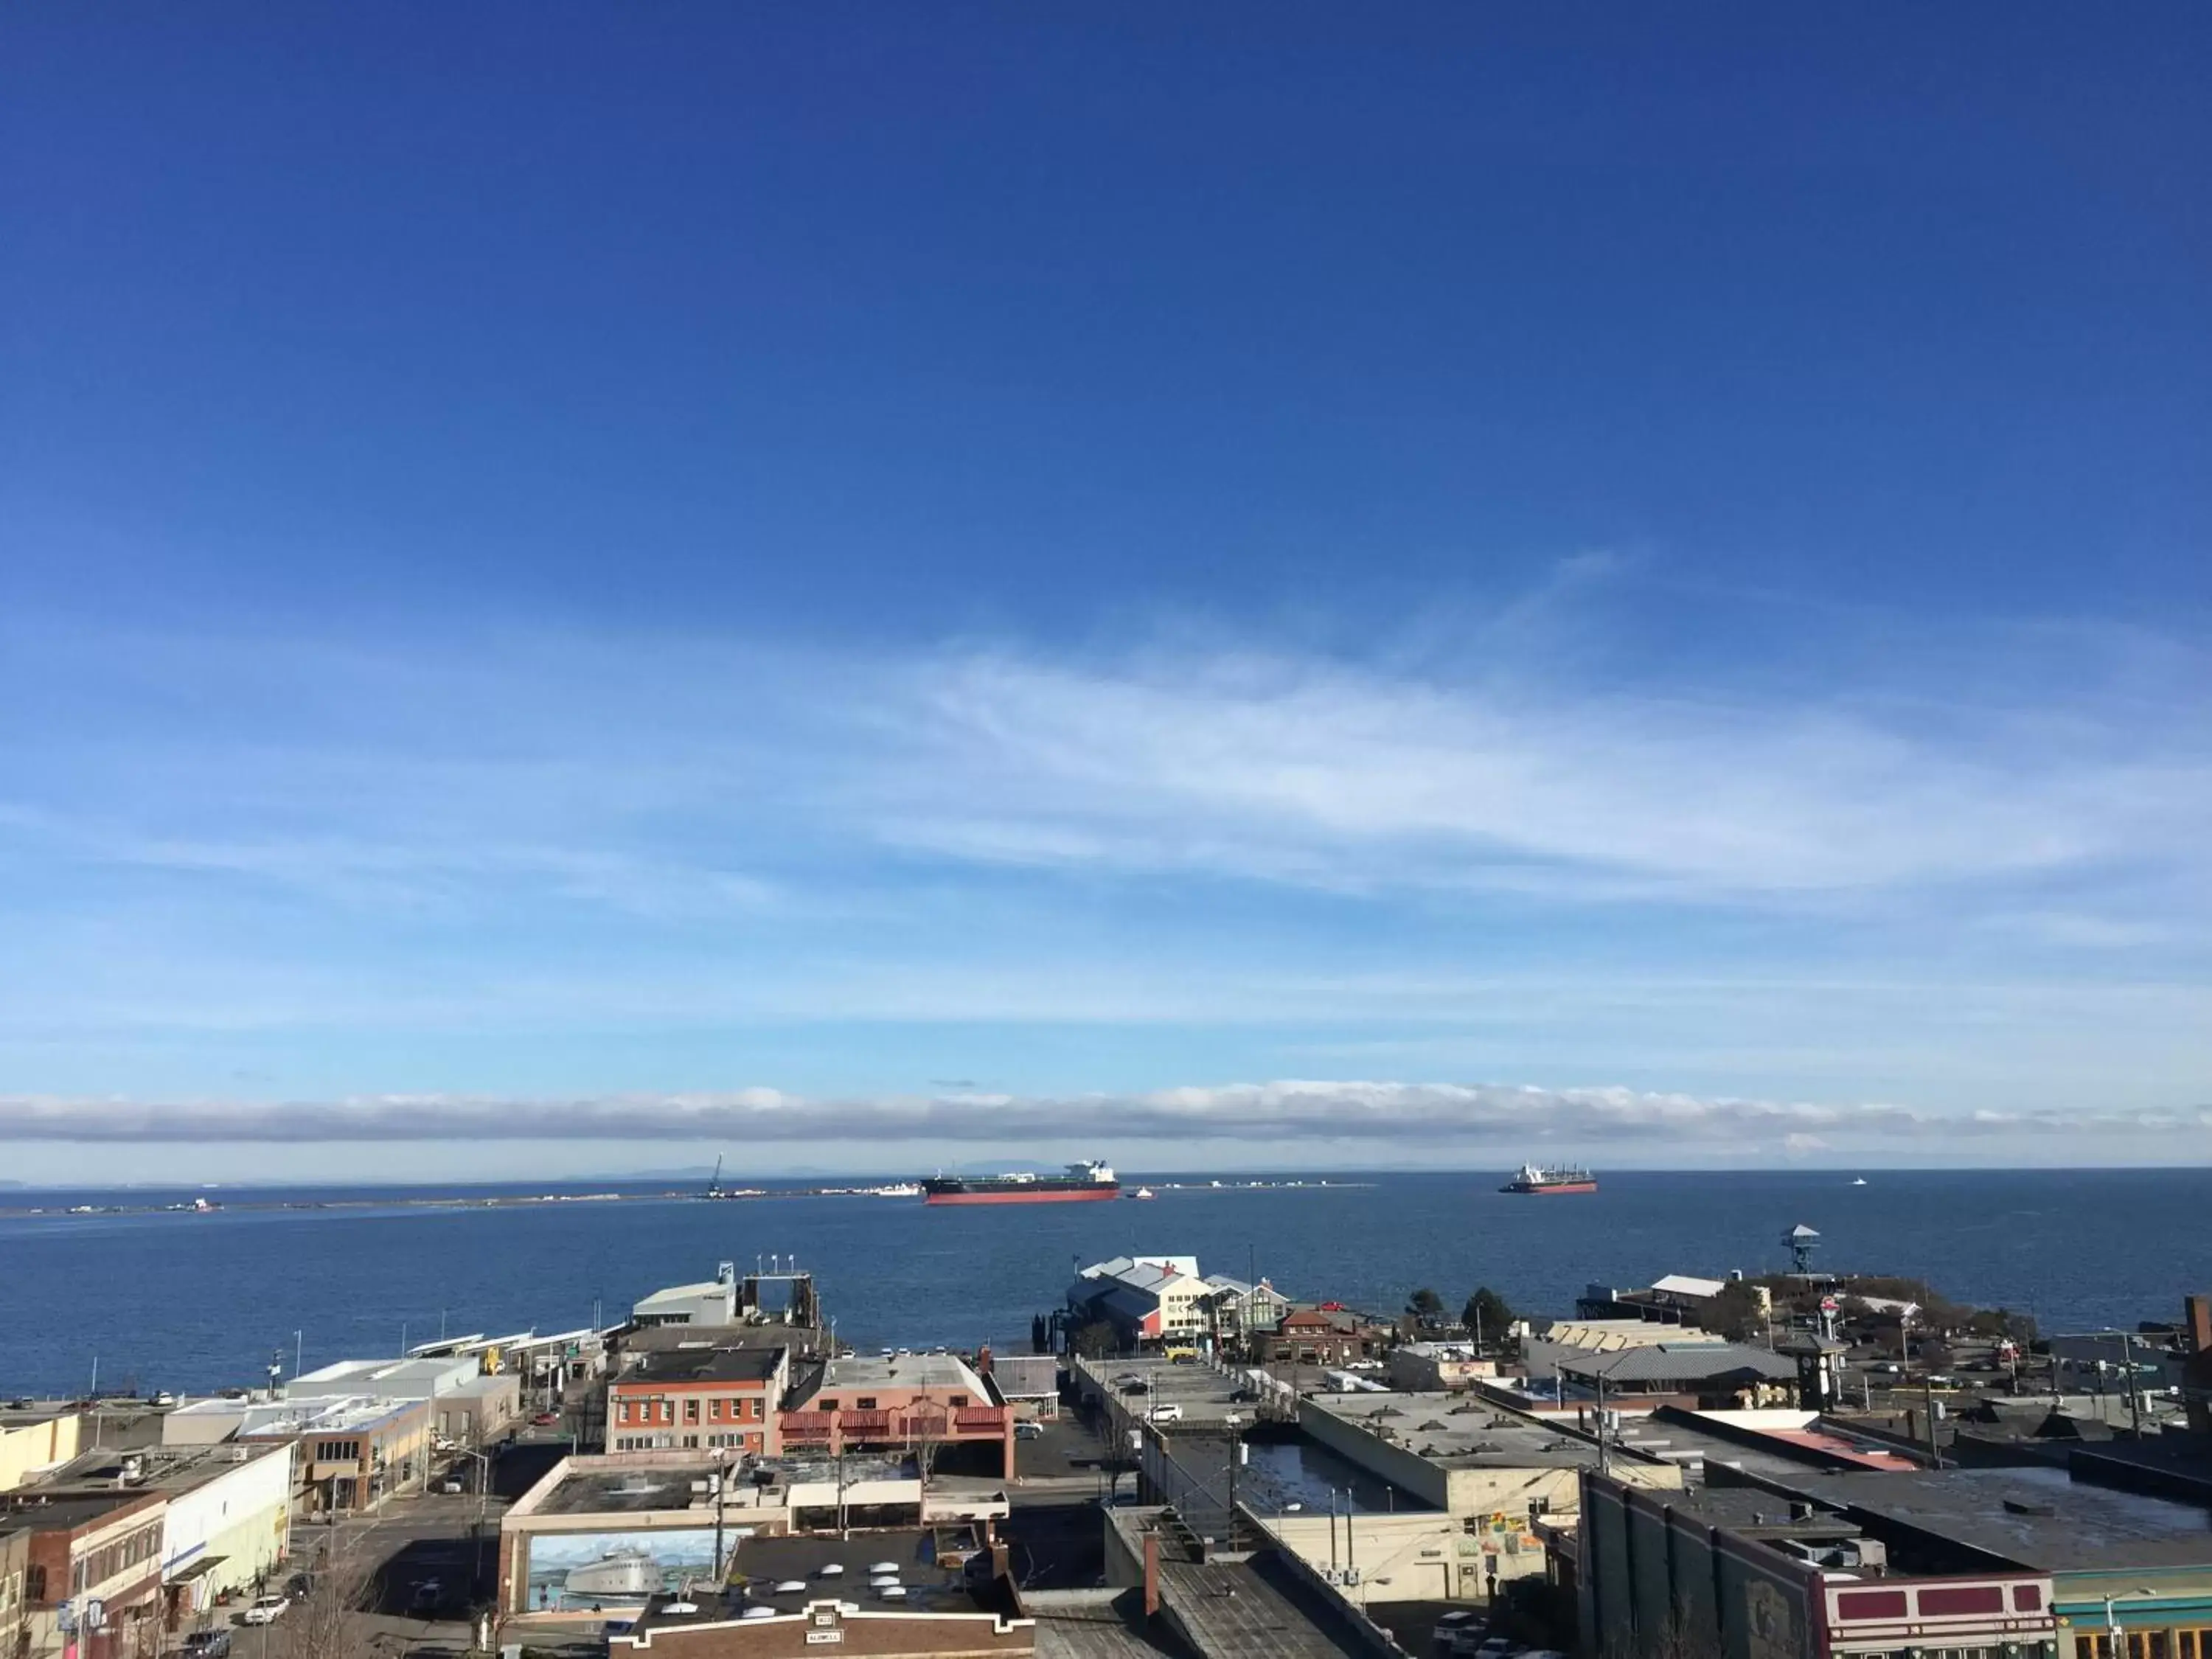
{"x": 980, "y": 1420}
{"x": 868, "y": 1424}
{"x": 808, "y": 1425}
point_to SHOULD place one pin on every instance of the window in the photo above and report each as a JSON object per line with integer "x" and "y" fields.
{"x": 715, "y": 1408}
{"x": 1954, "y": 1600}
{"x": 2092, "y": 1644}
{"x": 959, "y": 1400}
{"x": 691, "y": 1410}
{"x": 865, "y": 1403}
{"x": 621, "y": 1411}
{"x": 1872, "y": 1604}
{"x": 2193, "y": 1643}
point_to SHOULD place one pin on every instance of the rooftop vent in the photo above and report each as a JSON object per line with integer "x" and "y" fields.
{"x": 2029, "y": 1506}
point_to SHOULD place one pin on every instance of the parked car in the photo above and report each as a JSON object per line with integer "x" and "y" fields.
{"x": 1029, "y": 1431}
{"x": 546, "y": 1419}
{"x": 452, "y": 1483}
{"x": 1455, "y": 1632}
{"x": 427, "y": 1595}
{"x": 266, "y": 1610}
{"x": 1170, "y": 1412}
{"x": 208, "y": 1645}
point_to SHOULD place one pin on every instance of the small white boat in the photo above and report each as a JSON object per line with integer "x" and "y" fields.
{"x": 1142, "y": 1192}
{"x": 1860, "y": 1181}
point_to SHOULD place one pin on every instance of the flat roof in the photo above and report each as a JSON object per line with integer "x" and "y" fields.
{"x": 350, "y": 1414}
{"x": 37, "y": 1510}
{"x": 669, "y": 1339}
{"x": 1091, "y": 1624}
{"x": 635, "y": 1483}
{"x": 1678, "y": 1362}
{"x": 2036, "y": 1518}
{"x": 628, "y": 1490}
{"x": 805, "y": 1560}
{"x": 391, "y": 1378}
{"x": 754, "y": 1364}
{"x": 162, "y": 1468}
{"x": 1254, "y": 1609}
{"x": 1458, "y": 1431}
{"x": 905, "y": 1370}
{"x": 930, "y": 1587}
{"x": 1748, "y": 1508}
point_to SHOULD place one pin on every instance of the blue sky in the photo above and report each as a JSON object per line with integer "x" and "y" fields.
{"x": 871, "y": 588}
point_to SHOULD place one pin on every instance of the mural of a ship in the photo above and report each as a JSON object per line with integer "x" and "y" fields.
{"x": 618, "y": 1573}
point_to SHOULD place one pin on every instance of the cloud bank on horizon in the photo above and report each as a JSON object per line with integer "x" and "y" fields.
{"x": 1377, "y": 1115}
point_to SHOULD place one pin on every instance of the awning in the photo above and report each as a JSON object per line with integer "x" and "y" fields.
{"x": 204, "y": 1565}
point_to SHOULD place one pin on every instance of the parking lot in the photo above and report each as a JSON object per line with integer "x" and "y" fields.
{"x": 1161, "y": 1391}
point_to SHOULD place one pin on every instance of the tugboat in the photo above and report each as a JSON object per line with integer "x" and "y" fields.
{"x": 1536, "y": 1181}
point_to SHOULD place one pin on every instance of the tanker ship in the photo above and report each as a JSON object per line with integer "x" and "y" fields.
{"x": 1534, "y": 1179}
{"x": 1082, "y": 1182}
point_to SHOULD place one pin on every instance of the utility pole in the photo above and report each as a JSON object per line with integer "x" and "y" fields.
{"x": 1928, "y": 1399}
{"x": 1234, "y": 1445}
{"x": 721, "y": 1486}
{"x": 2135, "y": 1395}
{"x": 1604, "y": 1455}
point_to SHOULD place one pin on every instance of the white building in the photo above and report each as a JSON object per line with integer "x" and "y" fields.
{"x": 711, "y": 1302}
{"x": 228, "y": 1522}
{"x": 466, "y": 1407}
{"x": 1149, "y": 1299}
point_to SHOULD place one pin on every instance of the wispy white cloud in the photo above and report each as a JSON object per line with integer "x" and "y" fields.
{"x": 1373, "y": 1114}
{"x": 652, "y": 772}
{"x": 1308, "y": 770}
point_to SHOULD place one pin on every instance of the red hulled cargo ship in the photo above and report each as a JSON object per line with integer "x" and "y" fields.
{"x": 1082, "y": 1182}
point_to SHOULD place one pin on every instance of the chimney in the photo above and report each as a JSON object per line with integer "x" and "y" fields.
{"x": 1151, "y": 1575}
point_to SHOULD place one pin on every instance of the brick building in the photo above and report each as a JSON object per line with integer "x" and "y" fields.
{"x": 691, "y": 1399}
{"x": 898, "y": 1403}
{"x": 1319, "y": 1336}
{"x": 92, "y": 1572}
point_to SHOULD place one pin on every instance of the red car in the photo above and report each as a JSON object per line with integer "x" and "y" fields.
{"x": 546, "y": 1419}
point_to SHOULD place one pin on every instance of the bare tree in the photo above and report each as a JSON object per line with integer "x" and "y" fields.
{"x": 329, "y": 1620}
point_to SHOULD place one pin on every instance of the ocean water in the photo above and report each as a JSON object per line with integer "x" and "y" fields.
{"x": 195, "y": 1301}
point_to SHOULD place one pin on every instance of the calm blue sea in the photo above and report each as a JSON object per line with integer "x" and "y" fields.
{"x": 189, "y": 1302}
